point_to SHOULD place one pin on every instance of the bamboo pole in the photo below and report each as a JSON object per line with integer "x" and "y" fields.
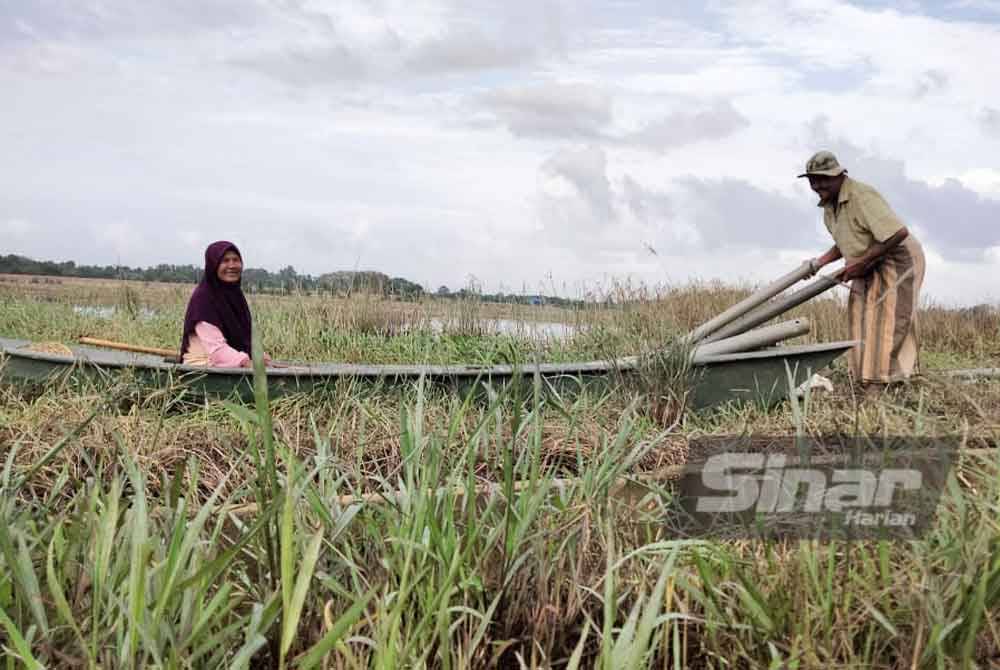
{"x": 754, "y": 339}
{"x": 776, "y": 307}
{"x": 758, "y": 297}
{"x": 124, "y": 346}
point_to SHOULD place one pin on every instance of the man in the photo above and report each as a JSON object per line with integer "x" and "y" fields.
{"x": 885, "y": 265}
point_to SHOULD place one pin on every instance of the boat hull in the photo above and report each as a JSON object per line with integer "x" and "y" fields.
{"x": 760, "y": 377}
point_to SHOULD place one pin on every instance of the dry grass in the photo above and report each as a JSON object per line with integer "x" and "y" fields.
{"x": 361, "y": 427}
{"x": 547, "y": 598}
{"x": 368, "y": 328}
{"x": 500, "y": 581}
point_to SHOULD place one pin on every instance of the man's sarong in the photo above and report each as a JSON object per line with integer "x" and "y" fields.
{"x": 882, "y": 313}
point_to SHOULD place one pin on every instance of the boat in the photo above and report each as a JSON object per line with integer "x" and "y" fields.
{"x": 730, "y": 360}
{"x": 763, "y": 376}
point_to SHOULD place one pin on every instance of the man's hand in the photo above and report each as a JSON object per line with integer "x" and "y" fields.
{"x": 872, "y": 257}
{"x": 816, "y": 264}
{"x": 855, "y": 270}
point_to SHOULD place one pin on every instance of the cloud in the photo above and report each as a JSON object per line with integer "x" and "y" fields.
{"x": 575, "y": 177}
{"x": 484, "y": 36}
{"x": 15, "y": 229}
{"x": 585, "y": 215}
{"x": 657, "y": 221}
{"x": 580, "y": 206}
{"x": 731, "y": 212}
{"x": 930, "y": 82}
{"x": 958, "y": 221}
{"x": 393, "y": 41}
{"x": 987, "y": 6}
{"x": 385, "y": 57}
{"x": 989, "y": 121}
{"x": 552, "y": 110}
{"x": 467, "y": 51}
{"x": 510, "y": 139}
{"x": 585, "y": 111}
{"x": 121, "y": 19}
{"x": 300, "y": 66}
{"x": 982, "y": 180}
{"x": 681, "y": 128}
{"x": 646, "y": 205}
{"x": 910, "y": 52}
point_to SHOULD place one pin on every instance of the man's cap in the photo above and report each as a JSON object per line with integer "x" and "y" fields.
{"x": 823, "y": 163}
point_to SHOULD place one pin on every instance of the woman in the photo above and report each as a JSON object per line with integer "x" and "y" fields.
{"x": 217, "y": 324}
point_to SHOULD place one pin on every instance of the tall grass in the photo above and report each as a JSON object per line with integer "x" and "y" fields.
{"x": 352, "y": 529}
{"x": 622, "y": 320}
{"x": 113, "y": 576}
{"x": 467, "y": 543}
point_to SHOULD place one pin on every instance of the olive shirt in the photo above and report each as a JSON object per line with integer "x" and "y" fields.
{"x": 861, "y": 219}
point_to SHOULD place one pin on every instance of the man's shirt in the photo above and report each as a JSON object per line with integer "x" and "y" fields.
{"x": 861, "y": 219}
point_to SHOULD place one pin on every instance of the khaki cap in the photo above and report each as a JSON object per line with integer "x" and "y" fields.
{"x": 823, "y": 163}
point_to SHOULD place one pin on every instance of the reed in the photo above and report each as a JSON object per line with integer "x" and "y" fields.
{"x": 123, "y": 548}
{"x": 369, "y": 328}
{"x": 154, "y": 529}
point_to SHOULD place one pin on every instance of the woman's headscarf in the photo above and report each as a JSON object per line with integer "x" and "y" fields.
{"x": 219, "y": 303}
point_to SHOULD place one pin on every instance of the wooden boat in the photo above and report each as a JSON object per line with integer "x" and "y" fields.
{"x": 756, "y": 376}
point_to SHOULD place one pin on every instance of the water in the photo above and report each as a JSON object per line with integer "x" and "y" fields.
{"x": 108, "y": 311}
{"x": 536, "y": 330}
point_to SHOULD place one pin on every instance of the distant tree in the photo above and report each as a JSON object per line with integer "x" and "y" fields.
{"x": 404, "y": 288}
{"x": 262, "y": 281}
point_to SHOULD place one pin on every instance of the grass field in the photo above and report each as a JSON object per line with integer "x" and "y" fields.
{"x": 146, "y": 528}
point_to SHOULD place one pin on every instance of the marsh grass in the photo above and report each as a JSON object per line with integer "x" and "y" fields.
{"x": 133, "y": 577}
{"x": 154, "y": 529}
{"x": 622, "y": 319}
{"x": 126, "y": 544}
{"x": 664, "y": 380}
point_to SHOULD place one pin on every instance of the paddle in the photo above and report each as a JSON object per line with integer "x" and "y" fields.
{"x": 169, "y": 355}
{"x": 123, "y": 346}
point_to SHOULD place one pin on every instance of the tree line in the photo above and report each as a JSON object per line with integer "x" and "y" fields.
{"x": 254, "y": 279}
{"x": 259, "y": 280}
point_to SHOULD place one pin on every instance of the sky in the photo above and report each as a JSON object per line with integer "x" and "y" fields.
{"x": 555, "y": 146}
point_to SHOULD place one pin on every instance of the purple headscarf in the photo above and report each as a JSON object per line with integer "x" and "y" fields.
{"x": 219, "y": 303}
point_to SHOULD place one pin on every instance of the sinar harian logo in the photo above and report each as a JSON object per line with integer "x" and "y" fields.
{"x": 766, "y": 485}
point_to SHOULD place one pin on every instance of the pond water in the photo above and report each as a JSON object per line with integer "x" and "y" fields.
{"x": 540, "y": 330}
{"x": 108, "y": 311}
{"x": 534, "y": 329}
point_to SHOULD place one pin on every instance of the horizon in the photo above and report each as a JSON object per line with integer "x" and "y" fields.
{"x": 549, "y": 145}
{"x": 926, "y": 300}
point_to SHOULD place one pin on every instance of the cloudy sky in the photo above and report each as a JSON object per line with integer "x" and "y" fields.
{"x": 556, "y": 145}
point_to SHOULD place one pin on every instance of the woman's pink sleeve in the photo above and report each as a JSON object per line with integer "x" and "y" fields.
{"x": 220, "y": 354}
